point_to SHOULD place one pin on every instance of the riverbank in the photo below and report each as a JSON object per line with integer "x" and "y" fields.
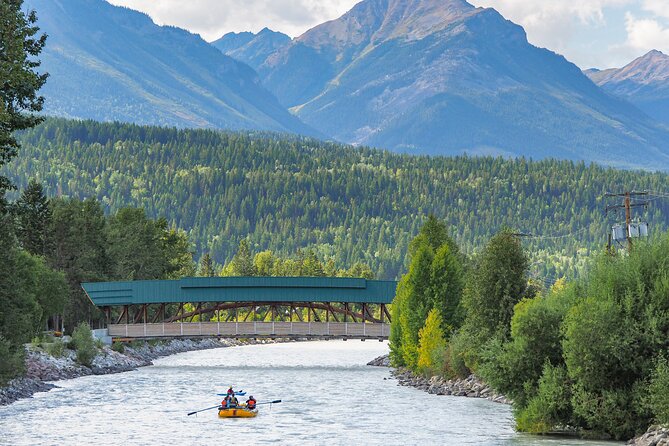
{"x": 654, "y": 436}
{"x": 471, "y": 387}
{"x": 42, "y": 368}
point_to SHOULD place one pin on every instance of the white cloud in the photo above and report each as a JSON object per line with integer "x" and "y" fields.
{"x": 213, "y": 18}
{"x": 533, "y": 13}
{"x": 583, "y": 31}
{"x": 554, "y": 24}
{"x": 657, "y": 7}
{"x": 645, "y": 34}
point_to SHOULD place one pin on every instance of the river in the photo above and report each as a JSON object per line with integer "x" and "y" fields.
{"x": 329, "y": 397}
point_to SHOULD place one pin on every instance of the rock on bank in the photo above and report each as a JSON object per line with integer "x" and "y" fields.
{"x": 42, "y": 367}
{"x": 654, "y": 436}
{"x": 471, "y": 386}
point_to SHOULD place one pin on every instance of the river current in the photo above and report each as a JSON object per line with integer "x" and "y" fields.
{"x": 329, "y": 397}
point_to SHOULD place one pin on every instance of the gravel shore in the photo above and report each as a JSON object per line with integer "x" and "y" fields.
{"x": 471, "y": 386}
{"x": 42, "y": 369}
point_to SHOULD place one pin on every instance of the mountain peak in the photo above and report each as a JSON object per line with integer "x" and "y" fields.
{"x": 652, "y": 67}
{"x": 374, "y": 21}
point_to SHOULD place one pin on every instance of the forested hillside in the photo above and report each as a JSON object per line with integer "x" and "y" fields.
{"x": 348, "y": 204}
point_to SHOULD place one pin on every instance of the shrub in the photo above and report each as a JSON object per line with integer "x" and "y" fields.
{"x": 456, "y": 355}
{"x": 82, "y": 338}
{"x": 55, "y": 348}
{"x": 11, "y": 361}
{"x": 659, "y": 392}
{"x": 118, "y": 347}
{"x": 550, "y": 407}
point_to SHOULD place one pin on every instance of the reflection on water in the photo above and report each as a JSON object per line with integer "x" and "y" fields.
{"x": 329, "y": 397}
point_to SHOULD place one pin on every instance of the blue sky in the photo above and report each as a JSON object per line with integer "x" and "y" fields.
{"x": 590, "y": 33}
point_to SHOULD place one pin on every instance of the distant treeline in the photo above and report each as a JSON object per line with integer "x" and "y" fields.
{"x": 347, "y": 204}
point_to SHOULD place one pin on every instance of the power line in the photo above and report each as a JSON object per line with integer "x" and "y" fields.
{"x": 627, "y": 205}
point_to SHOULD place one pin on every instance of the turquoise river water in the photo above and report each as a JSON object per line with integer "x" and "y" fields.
{"x": 329, "y": 397}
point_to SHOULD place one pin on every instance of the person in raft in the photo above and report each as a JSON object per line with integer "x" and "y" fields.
{"x": 251, "y": 403}
{"x": 230, "y": 391}
{"x": 229, "y": 402}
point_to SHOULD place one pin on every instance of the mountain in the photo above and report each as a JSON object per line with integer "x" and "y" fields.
{"x": 444, "y": 77}
{"x": 644, "y": 82}
{"x": 252, "y": 49}
{"x": 112, "y": 63}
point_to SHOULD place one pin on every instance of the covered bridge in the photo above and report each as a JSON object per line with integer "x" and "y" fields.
{"x": 299, "y": 307}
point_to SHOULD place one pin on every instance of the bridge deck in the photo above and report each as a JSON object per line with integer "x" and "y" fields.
{"x": 341, "y": 330}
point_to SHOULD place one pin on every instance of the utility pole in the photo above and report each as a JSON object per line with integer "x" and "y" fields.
{"x": 627, "y": 205}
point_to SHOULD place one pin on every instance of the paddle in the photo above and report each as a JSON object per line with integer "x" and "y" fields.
{"x": 269, "y": 402}
{"x": 202, "y": 410}
{"x": 218, "y": 405}
{"x": 240, "y": 393}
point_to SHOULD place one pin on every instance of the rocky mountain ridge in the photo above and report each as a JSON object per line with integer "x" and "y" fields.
{"x": 644, "y": 82}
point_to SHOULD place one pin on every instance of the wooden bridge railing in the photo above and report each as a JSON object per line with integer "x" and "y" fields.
{"x": 353, "y": 330}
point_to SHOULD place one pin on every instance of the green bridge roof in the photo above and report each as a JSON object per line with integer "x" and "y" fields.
{"x": 241, "y": 289}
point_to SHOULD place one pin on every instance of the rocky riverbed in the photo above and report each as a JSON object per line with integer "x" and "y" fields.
{"x": 42, "y": 368}
{"x": 654, "y": 436}
{"x": 471, "y": 386}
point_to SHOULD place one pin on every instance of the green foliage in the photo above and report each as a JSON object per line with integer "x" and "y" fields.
{"x": 304, "y": 264}
{"x": 590, "y": 355}
{"x": 11, "y": 360}
{"x": 447, "y": 282}
{"x": 415, "y": 305}
{"x": 498, "y": 281}
{"x": 81, "y": 252}
{"x": 33, "y": 219}
{"x": 286, "y": 193}
{"x": 659, "y": 392}
{"x": 142, "y": 249}
{"x": 431, "y": 345}
{"x": 457, "y": 355}
{"x": 82, "y": 339}
{"x": 206, "y": 267}
{"x": 20, "y": 315}
{"x": 55, "y": 348}
{"x": 395, "y": 338}
{"x": 550, "y": 404}
{"x": 242, "y": 262}
{"x": 46, "y": 286}
{"x": 434, "y": 282}
{"x": 19, "y": 48}
{"x": 516, "y": 367}
{"x": 118, "y": 347}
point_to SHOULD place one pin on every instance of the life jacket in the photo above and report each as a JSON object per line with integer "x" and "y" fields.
{"x": 251, "y": 404}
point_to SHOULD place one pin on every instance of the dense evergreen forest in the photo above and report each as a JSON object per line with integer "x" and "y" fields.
{"x": 347, "y": 204}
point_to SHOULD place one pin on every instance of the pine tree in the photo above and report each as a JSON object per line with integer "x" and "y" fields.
{"x": 206, "y": 266}
{"x": 446, "y": 287}
{"x": 416, "y": 304}
{"x": 242, "y": 262}
{"x": 19, "y": 48}
{"x": 499, "y": 282}
{"x": 33, "y": 218}
{"x": 311, "y": 266}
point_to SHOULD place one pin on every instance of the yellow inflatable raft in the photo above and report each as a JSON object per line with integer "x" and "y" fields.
{"x": 238, "y": 412}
